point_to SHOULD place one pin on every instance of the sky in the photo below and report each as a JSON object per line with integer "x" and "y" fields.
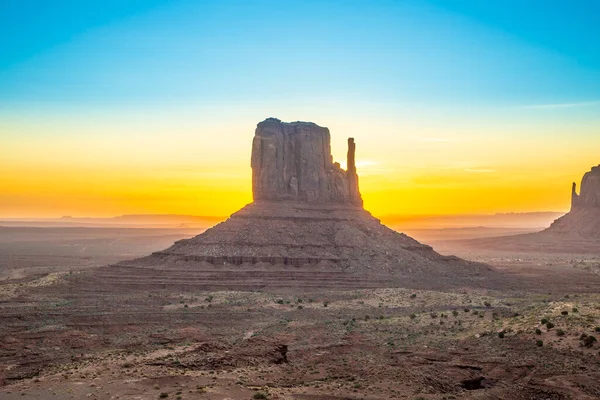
{"x": 457, "y": 107}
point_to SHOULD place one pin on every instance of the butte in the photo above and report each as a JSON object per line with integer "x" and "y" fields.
{"x": 583, "y": 219}
{"x": 306, "y": 228}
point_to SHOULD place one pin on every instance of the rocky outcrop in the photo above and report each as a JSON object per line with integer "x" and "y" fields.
{"x": 584, "y": 218}
{"x": 306, "y": 229}
{"x": 293, "y": 161}
{"x": 589, "y": 196}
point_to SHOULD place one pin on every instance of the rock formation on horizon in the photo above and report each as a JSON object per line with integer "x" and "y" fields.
{"x": 293, "y": 161}
{"x": 589, "y": 196}
{"x": 584, "y": 217}
{"x": 306, "y": 228}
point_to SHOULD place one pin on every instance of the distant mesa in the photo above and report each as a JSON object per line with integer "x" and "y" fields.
{"x": 305, "y": 228}
{"x": 590, "y": 190}
{"x": 584, "y": 217}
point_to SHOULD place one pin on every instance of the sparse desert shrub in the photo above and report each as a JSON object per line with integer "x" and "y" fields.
{"x": 549, "y": 325}
{"x": 163, "y": 395}
{"x": 259, "y": 396}
{"x": 589, "y": 341}
{"x": 367, "y": 317}
{"x": 413, "y": 316}
{"x": 560, "y": 332}
{"x": 475, "y": 312}
{"x": 280, "y": 301}
{"x": 209, "y": 299}
{"x": 575, "y": 310}
{"x": 487, "y": 304}
{"x": 501, "y": 335}
{"x": 412, "y": 296}
{"x": 185, "y": 306}
{"x": 455, "y": 313}
{"x": 300, "y": 307}
{"x": 597, "y": 329}
{"x": 539, "y": 343}
{"x": 298, "y": 300}
{"x": 544, "y": 321}
{"x": 325, "y": 303}
{"x": 433, "y": 315}
{"x": 564, "y": 313}
{"x": 538, "y": 331}
{"x": 466, "y": 310}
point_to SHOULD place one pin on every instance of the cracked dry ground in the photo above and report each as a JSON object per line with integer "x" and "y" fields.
{"x": 58, "y": 343}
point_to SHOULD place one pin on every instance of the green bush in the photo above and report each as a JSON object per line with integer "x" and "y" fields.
{"x": 544, "y": 321}
{"x": 455, "y": 313}
{"x": 501, "y": 335}
{"x": 539, "y": 343}
{"x": 564, "y": 312}
{"x": 412, "y": 296}
{"x": 413, "y": 316}
{"x": 163, "y": 395}
{"x": 538, "y": 331}
{"x": 560, "y": 332}
{"x": 549, "y": 325}
{"x": 259, "y": 396}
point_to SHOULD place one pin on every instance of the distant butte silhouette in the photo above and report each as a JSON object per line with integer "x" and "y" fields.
{"x": 305, "y": 228}
{"x": 584, "y": 218}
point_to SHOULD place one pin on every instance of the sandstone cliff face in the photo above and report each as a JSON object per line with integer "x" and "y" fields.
{"x": 584, "y": 218}
{"x": 589, "y": 196}
{"x": 292, "y": 161}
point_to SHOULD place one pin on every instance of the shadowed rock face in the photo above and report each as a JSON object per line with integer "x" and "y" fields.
{"x": 292, "y": 161}
{"x": 584, "y": 218}
{"x": 590, "y": 190}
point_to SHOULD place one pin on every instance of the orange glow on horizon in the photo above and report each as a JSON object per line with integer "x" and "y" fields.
{"x": 150, "y": 167}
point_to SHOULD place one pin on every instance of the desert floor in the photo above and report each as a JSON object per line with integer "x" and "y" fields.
{"x": 60, "y": 342}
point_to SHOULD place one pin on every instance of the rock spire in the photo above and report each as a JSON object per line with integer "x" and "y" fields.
{"x": 589, "y": 196}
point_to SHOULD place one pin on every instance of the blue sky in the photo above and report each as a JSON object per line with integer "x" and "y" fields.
{"x": 435, "y": 53}
{"x": 115, "y": 106}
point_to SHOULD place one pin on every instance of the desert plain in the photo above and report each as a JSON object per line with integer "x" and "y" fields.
{"x": 65, "y": 334}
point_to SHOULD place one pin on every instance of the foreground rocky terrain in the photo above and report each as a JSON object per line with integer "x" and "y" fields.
{"x": 57, "y": 341}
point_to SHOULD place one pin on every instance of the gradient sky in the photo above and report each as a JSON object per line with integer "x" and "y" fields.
{"x": 144, "y": 106}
